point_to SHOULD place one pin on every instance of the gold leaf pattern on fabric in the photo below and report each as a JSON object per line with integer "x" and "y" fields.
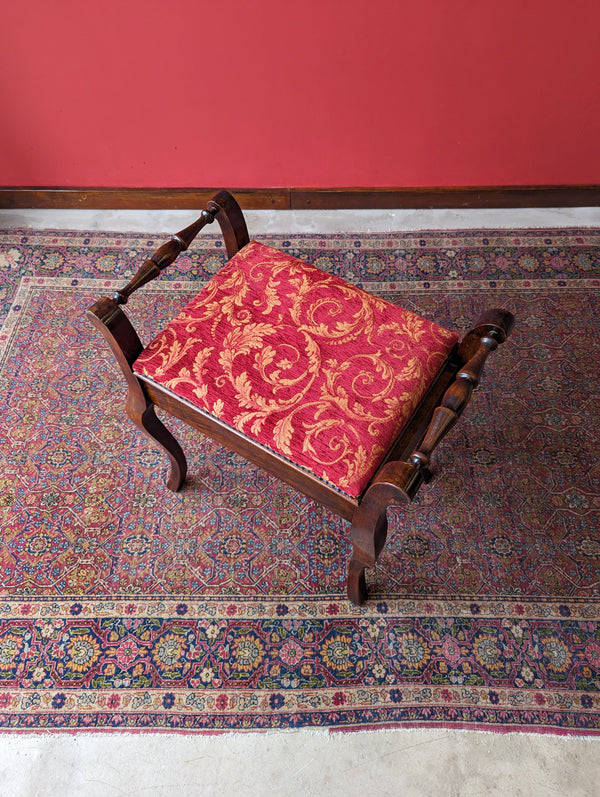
{"x": 305, "y": 363}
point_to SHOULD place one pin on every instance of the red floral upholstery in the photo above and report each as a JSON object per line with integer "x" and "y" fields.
{"x": 306, "y": 364}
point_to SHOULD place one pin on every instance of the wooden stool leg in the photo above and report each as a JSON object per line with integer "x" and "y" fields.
{"x": 108, "y": 318}
{"x": 397, "y": 483}
{"x": 148, "y": 423}
{"x": 357, "y": 583}
{"x": 369, "y": 533}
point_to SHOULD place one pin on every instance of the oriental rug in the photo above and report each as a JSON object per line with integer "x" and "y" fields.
{"x": 221, "y": 608}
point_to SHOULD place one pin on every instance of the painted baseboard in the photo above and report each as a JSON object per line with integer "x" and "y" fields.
{"x": 306, "y": 198}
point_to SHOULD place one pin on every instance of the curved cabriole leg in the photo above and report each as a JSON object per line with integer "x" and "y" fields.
{"x": 113, "y": 324}
{"x": 145, "y": 419}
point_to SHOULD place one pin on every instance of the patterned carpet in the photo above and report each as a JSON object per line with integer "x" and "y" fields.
{"x": 124, "y": 606}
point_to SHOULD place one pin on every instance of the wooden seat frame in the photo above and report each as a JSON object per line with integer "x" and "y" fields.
{"x": 403, "y": 469}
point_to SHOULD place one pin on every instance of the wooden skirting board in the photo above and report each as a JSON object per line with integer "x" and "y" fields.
{"x": 540, "y": 196}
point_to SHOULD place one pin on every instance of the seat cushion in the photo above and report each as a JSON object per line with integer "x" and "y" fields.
{"x": 302, "y": 362}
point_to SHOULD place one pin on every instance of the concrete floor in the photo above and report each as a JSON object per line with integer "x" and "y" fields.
{"x": 304, "y": 221}
{"x": 416, "y": 763}
{"x": 411, "y": 763}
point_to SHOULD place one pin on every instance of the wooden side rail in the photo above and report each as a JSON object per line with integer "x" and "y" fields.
{"x": 228, "y": 214}
{"x": 106, "y": 314}
{"x": 398, "y": 482}
{"x": 113, "y": 324}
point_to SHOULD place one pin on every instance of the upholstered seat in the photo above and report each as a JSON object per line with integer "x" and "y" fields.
{"x": 335, "y": 391}
{"x": 302, "y": 362}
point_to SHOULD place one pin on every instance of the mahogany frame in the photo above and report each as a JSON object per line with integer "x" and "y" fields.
{"x": 404, "y": 468}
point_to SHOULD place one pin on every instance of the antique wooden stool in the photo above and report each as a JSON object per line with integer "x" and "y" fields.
{"x": 335, "y": 391}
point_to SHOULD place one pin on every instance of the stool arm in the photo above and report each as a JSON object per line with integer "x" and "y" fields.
{"x": 106, "y": 314}
{"x": 221, "y": 207}
{"x": 397, "y": 481}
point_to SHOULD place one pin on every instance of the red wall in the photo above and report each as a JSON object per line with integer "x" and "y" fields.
{"x": 260, "y": 93}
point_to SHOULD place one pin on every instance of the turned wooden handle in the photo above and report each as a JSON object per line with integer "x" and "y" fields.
{"x": 492, "y": 329}
{"x": 453, "y": 403}
{"x": 163, "y": 257}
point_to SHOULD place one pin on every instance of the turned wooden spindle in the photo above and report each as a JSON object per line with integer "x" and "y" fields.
{"x": 454, "y": 402}
{"x": 163, "y": 257}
